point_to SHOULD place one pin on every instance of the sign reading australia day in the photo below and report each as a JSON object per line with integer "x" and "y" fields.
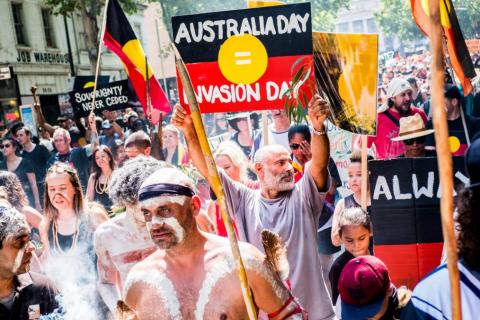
{"x": 112, "y": 96}
{"x": 244, "y": 60}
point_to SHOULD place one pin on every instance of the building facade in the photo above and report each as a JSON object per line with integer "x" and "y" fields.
{"x": 34, "y": 51}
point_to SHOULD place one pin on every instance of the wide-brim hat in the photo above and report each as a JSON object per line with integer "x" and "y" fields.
{"x": 412, "y": 127}
{"x": 233, "y": 116}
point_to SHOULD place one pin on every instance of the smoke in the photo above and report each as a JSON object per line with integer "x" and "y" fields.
{"x": 75, "y": 277}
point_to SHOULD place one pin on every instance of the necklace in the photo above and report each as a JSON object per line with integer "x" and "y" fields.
{"x": 57, "y": 243}
{"x": 101, "y": 189}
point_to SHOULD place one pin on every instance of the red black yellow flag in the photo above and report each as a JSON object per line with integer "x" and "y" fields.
{"x": 457, "y": 49}
{"x": 120, "y": 38}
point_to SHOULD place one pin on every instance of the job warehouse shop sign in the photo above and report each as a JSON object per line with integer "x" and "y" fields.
{"x": 245, "y": 60}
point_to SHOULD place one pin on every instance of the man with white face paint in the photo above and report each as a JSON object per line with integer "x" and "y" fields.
{"x": 23, "y": 295}
{"x": 290, "y": 210}
{"x": 123, "y": 241}
{"x": 192, "y": 275}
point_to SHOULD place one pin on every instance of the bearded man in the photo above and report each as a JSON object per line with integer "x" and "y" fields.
{"x": 399, "y": 105}
{"x": 192, "y": 274}
{"x": 290, "y": 210}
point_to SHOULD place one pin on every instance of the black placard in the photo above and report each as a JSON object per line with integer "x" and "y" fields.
{"x": 270, "y": 25}
{"x": 113, "y": 96}
{"x": 405, "y": 199}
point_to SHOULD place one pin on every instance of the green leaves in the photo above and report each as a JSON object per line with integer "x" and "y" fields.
{"x": 296, "y": 101}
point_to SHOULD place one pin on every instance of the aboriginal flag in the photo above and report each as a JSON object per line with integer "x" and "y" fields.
{"x": 120, "y": 38}
{"x": 457, "y": 49}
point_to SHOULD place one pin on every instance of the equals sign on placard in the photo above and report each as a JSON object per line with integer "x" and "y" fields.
{"x": 243, "y": 54}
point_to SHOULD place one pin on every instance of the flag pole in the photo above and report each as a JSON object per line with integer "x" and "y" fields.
{"x": 99, "y": 54}
{"x": 148, "y": 98}
{"x": 444, "y": 156}
{"x": 217, "y": 184}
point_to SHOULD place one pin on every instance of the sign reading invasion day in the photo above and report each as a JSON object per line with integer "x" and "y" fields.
{"x": 112, "y": 96}
{"x": 244, "y": 60}
{"x": 405, "y": 214}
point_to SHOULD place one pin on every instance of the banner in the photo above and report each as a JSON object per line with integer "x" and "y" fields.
{"x": 405, "y": 214}
{"x": 113, "y": 96}
{"x": 244, "y": 60}
{"x": 346, "y": 72}
{"x": 28, "y": 119}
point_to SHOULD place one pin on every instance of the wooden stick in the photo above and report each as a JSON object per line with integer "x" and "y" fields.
{"x": 364, "y": 167}
{"x": 99, "y": 54}
{"x": 217, "y": 184}
{"x": 265, "y": 128}
{"x": 444, "y": 156}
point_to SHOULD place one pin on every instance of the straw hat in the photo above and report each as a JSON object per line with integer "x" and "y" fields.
{"x": 412, "y": 127}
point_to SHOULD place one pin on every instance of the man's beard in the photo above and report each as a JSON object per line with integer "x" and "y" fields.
{"x": 403, "y": 111}
{"x": 280, "y": 182}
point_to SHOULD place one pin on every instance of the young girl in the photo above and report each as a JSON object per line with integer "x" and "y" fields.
{"x": 353, "y": 200}
{"x": 355, "y": 231}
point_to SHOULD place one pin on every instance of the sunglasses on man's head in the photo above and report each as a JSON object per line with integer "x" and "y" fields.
{"x": 418, "y": 140}
{"x": 294, "y": 146}
{"x": 6, "y": 145}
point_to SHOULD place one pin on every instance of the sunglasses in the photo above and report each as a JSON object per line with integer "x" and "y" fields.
{"x": 294, "y": 146}
{"x": 418, "y": 140}
{"x": 6, "y": 145}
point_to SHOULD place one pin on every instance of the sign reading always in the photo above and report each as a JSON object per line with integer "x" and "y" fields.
{"x": 244, "y": 60}
{"x": 406, "y": 214}
{"x": 113, "y": 96}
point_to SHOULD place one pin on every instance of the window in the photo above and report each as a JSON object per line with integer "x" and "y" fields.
{"x": 342, "y": 27}
{"x": 371, "y": 26}
{"x": 358, "y": 26}
{"x": 17, "y": 12}
{"x": 48, "y": 29}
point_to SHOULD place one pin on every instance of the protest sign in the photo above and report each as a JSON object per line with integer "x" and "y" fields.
{"x": 113, "y": 96}
{"x": 406, "y": 215}
{"x": 245, "y": 60}
{"x": 346, "y": 72}
{"x": 28, "y": 119}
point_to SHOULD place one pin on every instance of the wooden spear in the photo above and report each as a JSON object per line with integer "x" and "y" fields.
{"x": 444, "y": 156}
{"x": 217, "y": 184}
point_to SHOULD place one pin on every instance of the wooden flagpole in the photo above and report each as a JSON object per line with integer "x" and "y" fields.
{"x": 444, "y": 156}
{"x": 217, "y": 184}
{"x": 364, "y": 168}
{"x": 99, "y": 54}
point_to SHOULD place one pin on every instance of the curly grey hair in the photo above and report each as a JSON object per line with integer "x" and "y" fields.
{"x": 126, "y": 181}
{"x": 12, "y": 223}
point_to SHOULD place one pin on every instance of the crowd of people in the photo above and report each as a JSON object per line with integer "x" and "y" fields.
{"x": 103, "y": 215}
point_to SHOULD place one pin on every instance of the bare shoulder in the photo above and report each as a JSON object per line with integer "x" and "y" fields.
{"x": 145, "y": 272}
{"x": 111, "y": 225}
{"x": 220, "y": 246}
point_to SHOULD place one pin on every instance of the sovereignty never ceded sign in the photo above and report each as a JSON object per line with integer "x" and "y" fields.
{"x": 112, "y": 96}
{"x": 243, "y": 60}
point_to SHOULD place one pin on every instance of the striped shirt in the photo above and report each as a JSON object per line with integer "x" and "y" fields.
{"x": 432, "y": 296}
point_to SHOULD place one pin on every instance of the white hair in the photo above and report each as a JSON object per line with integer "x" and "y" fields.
{"x": 12, "y": 223}
{"x": 265, "y": 152}
{"x": 231, "y": 150}
{"x": 60, "y": 132}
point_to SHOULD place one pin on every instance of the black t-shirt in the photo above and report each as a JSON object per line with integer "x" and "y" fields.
{"x": 336, "y": 270}
{"x": 34, "y": 294}
{"x": 38, "y": 158}
{"x": 24, "y": 167}
{"x": 76, "y": 158}
{"x": 457, "y": 137}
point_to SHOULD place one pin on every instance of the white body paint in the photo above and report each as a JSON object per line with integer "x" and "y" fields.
{"x": 172, "y": 223}
{"x": 163, "y": 286}
{"x": 18, "y": 259}
{"x": 219, "y": 271}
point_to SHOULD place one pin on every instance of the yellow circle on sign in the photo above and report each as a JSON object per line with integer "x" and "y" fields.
{"x": 242, "y": 59}
{"x": 454, "y": 144}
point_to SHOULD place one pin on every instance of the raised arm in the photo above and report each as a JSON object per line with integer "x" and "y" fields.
{"x": 94, "y": 134}
{"x": 183, "y": 122}
{"x": 318, "y": 111}
{"x": 41, "y": 119}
